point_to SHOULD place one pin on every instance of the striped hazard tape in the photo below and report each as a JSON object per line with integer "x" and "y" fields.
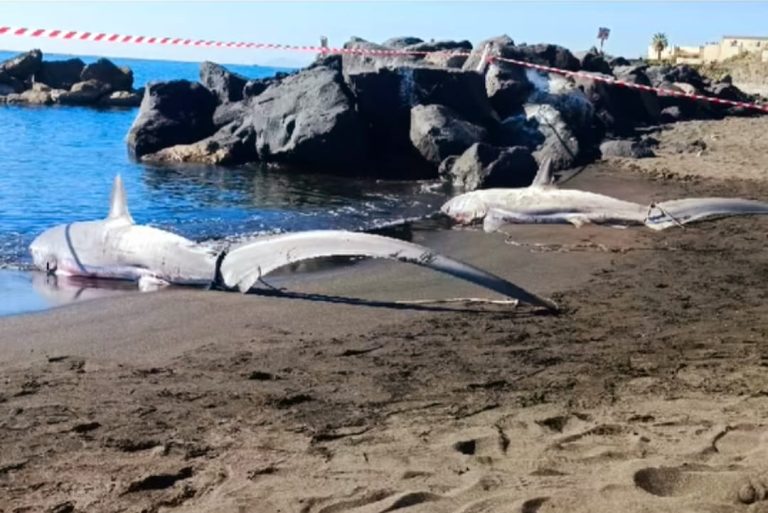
{"x": 179, "y": 41}
{"x": 104, "y": 37}
{"x": 621, "y": 83}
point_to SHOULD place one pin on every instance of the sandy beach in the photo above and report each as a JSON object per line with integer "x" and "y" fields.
{"x": 646, "y": 393}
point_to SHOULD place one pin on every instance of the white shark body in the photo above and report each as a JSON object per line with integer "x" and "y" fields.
{"x": 549, "y": 204}
{"x": 118, "y": 248}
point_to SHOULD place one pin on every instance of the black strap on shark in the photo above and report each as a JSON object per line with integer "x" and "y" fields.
{"x": 218, "y": 281}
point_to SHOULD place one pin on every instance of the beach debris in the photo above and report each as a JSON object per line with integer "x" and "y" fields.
{"x": 117, "y": 248}
{"x": 754, "y": 489}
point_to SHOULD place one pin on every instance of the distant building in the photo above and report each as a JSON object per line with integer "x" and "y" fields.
{"x": 729, "y": 46}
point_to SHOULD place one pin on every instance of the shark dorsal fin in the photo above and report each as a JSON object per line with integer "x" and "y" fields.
{"x": 544, "y": 174}
{"x": 118, "y": 204}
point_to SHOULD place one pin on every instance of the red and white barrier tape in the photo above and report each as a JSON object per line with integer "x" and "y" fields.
{"x": 658, "y": 90}
{"x": 104, "y": 37}
{"x": 165, "y": 41}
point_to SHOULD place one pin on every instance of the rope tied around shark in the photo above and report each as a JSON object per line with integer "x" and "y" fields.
{"x": 650, "y": 218}
{"x": 118, "y": 248}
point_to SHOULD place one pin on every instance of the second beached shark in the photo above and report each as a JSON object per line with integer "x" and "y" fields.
{"x": 543, "y": 202}
{"x": 117, "y": 248}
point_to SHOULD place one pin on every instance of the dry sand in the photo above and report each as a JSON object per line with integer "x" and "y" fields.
{"x": 648, "y": 393}
{"x": 733, "y": 147}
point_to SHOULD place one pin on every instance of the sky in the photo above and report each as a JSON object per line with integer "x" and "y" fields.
{"x": 571, "y": 24}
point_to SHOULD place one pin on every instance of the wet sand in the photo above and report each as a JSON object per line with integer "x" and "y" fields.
{"x": 647, "y": 393}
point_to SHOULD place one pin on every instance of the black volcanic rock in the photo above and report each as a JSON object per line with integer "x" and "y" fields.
{"x": 401, "y": 42}
{"x": 385, "y": 98}
{"x": 686, "y": 74}
{"x": 309, "y": 119}
{"x": 23, "y": 65}
{"x": 370, "y": 112}
{"x": 106, "y": 72}
{"x": 85, "y": 93}
{"x": 641, "y": 106}
{"x": 171, "y": 113}
{"x": 545, "y": 54}
{"x": 357, "y": 63}
{"x": 542, "y": 129}
{"x": 626, "y": 149}
{"x": 501, "y": 46}
{"x": 462, "y": 91}
{"x": 231, "y": 145}
{"x": 60, "y": 74}
{"x": 256, "y": 87}
{"x": 618, "y": 61}
{"x": 507, "y": 87}
{"x": 440, "y": 46}
{"x": 437, "y": 132}
{"x": 121, "y": 99}
{"x": 15, "y": 85}
{"x": 594, "y": 61}
{"x": 228, "y": 112}
{"x": 225, "y": 85}
{"x": 484, "y": 166}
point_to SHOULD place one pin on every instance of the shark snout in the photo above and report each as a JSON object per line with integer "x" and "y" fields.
{"x": 42, "y": 257}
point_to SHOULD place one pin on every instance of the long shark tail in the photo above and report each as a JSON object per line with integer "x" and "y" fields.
{"x": 679, "y": 212}
{"x": 242, "y": 267}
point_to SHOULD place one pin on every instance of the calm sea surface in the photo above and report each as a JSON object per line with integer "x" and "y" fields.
{"x": 57, "y": 165}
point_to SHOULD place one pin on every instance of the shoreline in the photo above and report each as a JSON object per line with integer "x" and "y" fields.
{"x": 43, "y": 297}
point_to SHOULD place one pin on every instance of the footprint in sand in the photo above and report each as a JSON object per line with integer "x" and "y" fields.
{"x": 704, "y": 484}
{"x": 741, "y": 441}
{"x": 510, "y": 503}
{"x": 381, "y": 501}
{"x": 484, "y": 443}
{"x": 603, "y": 442}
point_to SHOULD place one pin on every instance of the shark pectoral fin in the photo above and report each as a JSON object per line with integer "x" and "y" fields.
{"x": 242, "y": 267}
{"x": 249, "y": 280}
{"x": 150, "y": 283}
{"x": 578, "y": 220}
{"x": 494, "y": 219}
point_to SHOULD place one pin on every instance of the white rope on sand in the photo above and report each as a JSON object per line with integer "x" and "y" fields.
{"x": 513, "y": 302}
{"x": 481, "y": 300}
{"x": 562, "y": 248}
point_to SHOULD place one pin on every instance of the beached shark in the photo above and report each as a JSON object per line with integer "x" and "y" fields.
{"x": 543, "y": 202}
{"x": 118, "y": 248}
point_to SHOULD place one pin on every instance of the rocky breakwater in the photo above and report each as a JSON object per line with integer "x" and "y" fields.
{"x": 439, "y": 112}
{"x": 28, "y": 79}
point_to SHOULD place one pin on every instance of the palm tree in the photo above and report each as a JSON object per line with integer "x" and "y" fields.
{"x": 659, "y": 43}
